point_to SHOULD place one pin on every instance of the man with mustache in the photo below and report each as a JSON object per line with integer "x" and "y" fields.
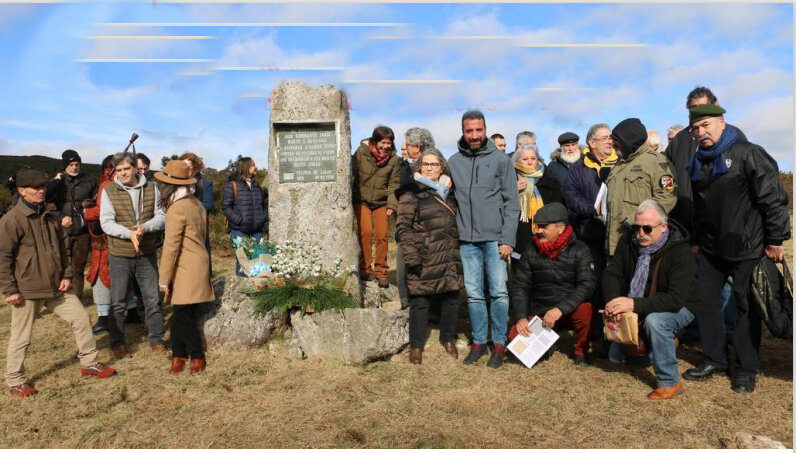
{"x": 740, "y": 213}
{"x": 554, "y": 280}
{"x": 489, "y": 209}
{"x": 641, "y": 174}
{"x": 653, "y": 275}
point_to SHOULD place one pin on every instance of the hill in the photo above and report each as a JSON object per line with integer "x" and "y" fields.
{"x": 10, "y": 165}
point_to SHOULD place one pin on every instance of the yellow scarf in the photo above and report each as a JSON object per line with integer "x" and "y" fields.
{"x": 530, "y": 198}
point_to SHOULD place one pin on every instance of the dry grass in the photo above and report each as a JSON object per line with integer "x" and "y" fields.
{"x": 267, "y": 398}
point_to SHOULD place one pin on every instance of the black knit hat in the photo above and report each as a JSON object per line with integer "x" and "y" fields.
{"x": 70, "y": 156}
{"x": 631, "y": 133}
{"x": 31, "y": 178}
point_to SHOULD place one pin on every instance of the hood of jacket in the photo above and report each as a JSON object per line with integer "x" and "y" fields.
{"x": 141, "y": 183}
{"x": 488, "y": 148}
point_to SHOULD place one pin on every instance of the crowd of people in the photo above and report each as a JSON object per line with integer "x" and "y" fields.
{"x": 120, "y": 222}
{"x": 610, "y": 227}
{"x": 617, "y": 226}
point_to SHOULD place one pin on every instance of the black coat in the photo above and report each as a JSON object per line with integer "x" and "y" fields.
{"x": 68, "y": 194}
{"x": 425, "y": 229}
{"x": 580, "y": 192}
{"x": 558, "y": 171}
{"x": 550, "y": 192}
{"x": 740, "y": 212}
{"x": 249, "y": 212}
{"x": 677, "y": 279}
{"x": 679, "y": 152}
{"x": 541, "y": 283}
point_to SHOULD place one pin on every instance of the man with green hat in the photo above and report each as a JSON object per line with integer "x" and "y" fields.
{"x": 740, "y": 213}
{"x": 35, "y": 272}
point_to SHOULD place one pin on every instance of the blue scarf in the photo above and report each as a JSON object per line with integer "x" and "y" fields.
{"x": 642, "y": 271}
{"x": 441, "y": 187}
{"x": 702, "y": 156}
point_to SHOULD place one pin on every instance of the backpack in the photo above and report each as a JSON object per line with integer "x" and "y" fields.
{"x": 772, "y": 294}
{"x": 234, "y": 198}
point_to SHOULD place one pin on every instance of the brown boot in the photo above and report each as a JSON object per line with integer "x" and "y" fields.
{"x": 450, "y": 348}
{"x": 197, "y": 365}
{"x": 119, "y": 351}
{"x": 666, "y": 393}
{"x": 177, "y": 365}
{"x": 416, "y": 356}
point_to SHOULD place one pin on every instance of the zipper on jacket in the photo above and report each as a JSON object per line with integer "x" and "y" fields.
{"x": 470, "y": 197}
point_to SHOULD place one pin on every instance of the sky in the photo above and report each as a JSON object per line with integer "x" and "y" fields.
{"x": 546, "y": 68}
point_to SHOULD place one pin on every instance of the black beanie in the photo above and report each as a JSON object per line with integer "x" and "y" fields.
{"x": 70, "y": 156}
{"x": 631, "y": 133}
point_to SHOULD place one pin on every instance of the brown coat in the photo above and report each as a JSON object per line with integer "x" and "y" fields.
{"x": 34, "y": 257}
{"x": 375, "y": 186}
{"x": 425, "y": 229}
{"x": 184, "y": 264}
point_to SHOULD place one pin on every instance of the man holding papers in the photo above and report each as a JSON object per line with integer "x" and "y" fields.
{"x": 554, "y": 280}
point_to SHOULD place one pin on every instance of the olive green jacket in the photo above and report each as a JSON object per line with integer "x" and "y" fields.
{"x": 375, "y": 186}
{"x": 643, "y": 175}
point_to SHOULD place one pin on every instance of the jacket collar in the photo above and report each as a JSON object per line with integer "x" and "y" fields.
{"x": 27, "y": 211}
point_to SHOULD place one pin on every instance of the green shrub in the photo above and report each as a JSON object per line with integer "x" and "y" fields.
{"x": 284, "y": 298}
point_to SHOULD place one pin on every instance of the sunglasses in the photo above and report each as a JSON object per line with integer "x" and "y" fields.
{"x": 646, "y": 228}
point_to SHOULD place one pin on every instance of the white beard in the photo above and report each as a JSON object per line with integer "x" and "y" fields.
{"x": 570, "y": 159}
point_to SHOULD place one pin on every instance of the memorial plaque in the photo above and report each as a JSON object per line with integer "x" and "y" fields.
{"x": 307, "y": 152}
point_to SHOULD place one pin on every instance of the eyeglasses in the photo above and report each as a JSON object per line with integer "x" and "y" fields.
{"x": 430, "y": 165}
{"x": 602, "y": 139}
{"x": 647, "y": 228}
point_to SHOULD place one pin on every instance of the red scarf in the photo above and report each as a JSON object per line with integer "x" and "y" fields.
{"x": 381, "y": 159}
{"x": 552, "y": 249}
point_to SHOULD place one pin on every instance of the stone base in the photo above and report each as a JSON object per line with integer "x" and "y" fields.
{"x": 354, "y": 335}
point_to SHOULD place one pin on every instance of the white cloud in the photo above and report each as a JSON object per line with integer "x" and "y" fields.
{"x": 768, "y": 123}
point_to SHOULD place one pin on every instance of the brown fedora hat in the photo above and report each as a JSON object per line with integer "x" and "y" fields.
{"x": 175, "y": 172}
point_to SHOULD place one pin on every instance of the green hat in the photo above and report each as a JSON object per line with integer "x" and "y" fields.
{"x": 698, "y": 112}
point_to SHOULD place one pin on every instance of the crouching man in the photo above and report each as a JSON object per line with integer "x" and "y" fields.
{"x": 653, "y": 265}
{"x": 554, "y": 280}
{"x": 35, "y": 271}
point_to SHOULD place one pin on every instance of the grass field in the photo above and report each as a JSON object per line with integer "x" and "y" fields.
{"x": 268, "y": 398}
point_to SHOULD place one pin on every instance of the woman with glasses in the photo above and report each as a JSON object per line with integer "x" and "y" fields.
{"x": 535, "y": 189}
{"x": 429, "y": 241}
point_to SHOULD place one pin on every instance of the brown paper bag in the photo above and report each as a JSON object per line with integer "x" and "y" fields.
{"x": 625, "y": 331}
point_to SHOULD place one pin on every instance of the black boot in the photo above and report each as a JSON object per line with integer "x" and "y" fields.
{"x": 100, "y": 326}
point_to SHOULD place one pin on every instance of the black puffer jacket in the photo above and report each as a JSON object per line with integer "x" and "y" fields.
{"x": 68, "y": 194}
{"x": 740, "y": 212}
{"x": 541, "y": 283}
{"x": 677, "y": 282}
{"x": 425, "y": 229}
{"x": 249, "y": 211}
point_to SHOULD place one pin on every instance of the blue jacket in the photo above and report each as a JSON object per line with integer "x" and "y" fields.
{"x": 249, "y": 212}
{"x": 580, "y": 191}
{"x": 207, "y": 198}
{"x": 486, "y": 190}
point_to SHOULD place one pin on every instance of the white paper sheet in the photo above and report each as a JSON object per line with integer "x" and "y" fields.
{"x": 531, "y": 348}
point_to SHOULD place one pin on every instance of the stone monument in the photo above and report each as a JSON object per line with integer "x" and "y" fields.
{"x": 309, "y": 183}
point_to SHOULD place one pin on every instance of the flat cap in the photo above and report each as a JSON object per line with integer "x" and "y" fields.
{"x": 698, "y": 112}
{"x": 568, "y": 137}
{"x": 551, "y": 213}
{"x": 31, "y": 178}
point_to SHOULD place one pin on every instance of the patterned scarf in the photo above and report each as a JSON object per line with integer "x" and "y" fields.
{"x": 441, "y": 186}
{"x": 381, "y": 159}
{"x": 530, "y": 198}
{"x": 712, "y": 154}
{"x": 642, "y": 271}
{"x": 552, "y": 249}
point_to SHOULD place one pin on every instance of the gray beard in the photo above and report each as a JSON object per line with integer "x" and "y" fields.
{"x": 570, "y": 159}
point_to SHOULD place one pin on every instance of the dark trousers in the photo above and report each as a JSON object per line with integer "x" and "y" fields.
{"x": 418, "y": 317}
{"x": 144, "y": 270}
{"x": 713, "y": 273}
{"x": 186, "y": 341}
{"x": 597, "y": 250}
{"x": 79, "y": 249}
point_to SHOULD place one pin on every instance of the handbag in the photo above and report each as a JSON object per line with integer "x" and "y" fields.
{"x": 772, "y": 294}
{"x": 625, "y": 329}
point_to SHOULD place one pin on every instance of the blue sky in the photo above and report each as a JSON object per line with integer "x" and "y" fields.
{"x": 631, "y": 60}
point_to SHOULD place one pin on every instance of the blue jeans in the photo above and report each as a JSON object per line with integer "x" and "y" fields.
{"x": 240, "y": 234}
{"x": 475, "y": 257}
{"x": 660, "y": 328}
